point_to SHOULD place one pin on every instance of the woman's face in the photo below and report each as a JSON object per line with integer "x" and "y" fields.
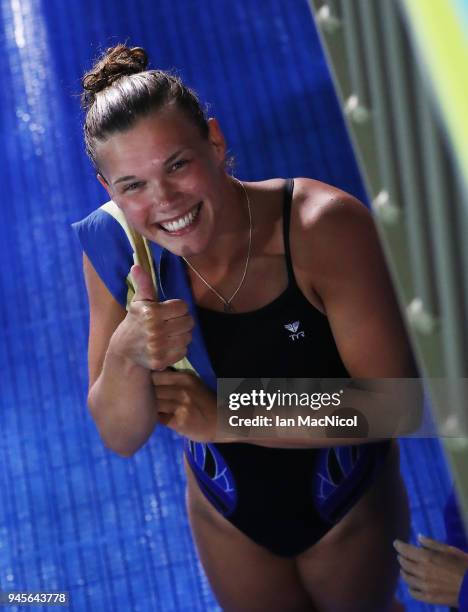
{"x": 167, "y": 179}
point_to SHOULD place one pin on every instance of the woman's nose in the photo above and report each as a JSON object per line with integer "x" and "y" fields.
{"x": 164, "y": 194}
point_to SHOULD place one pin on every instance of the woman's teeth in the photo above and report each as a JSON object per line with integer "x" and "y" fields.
{"x": 182, "y": 222}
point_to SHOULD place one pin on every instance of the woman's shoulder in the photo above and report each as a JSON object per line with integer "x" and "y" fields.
{"x": 97, "y": 225}
{"x": 319, "y": 204}
{"x": 321, "y": 213}
{"x": 329, "y": 225}
{"x": 313, "y": 200}
{"x": 105, "y": 242}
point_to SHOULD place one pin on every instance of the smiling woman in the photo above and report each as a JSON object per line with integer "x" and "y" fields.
{"x": 163, "y": 159}
{"x": 237, "y": 266}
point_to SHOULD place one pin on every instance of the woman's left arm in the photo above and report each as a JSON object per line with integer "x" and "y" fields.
{"x": 348, "y": 271}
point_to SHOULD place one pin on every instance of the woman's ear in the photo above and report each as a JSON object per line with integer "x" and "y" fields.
{"x": 104, "y": 183}
{"x": 216, "y": 138}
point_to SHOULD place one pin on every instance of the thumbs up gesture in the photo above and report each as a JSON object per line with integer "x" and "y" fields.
{"x": 144, "y": 287}
{"x": 154, "y": 334}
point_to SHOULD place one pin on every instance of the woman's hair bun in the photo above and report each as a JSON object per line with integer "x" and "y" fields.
{"x": 115, "y": 63}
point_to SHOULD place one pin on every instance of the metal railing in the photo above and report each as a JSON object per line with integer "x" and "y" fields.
{"x": 413, "y": 168}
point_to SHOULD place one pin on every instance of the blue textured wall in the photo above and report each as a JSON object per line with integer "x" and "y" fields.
{"x": 73, "y": 516}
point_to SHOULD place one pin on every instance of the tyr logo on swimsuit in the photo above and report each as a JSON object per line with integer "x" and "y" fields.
{"x": 293, "y": 327}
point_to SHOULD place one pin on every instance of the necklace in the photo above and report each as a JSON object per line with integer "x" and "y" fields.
{"x": 228, "y": 303}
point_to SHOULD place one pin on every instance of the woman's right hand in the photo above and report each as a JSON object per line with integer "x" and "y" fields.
{"x": 153, "y": 334}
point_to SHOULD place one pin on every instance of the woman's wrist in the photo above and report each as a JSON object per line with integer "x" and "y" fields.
{"x": 118, "y": 354}
{"x": 117, "y": 358}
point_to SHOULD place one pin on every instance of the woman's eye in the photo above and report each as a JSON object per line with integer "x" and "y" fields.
{"x": 179, "y": 164}
{"x": 132, "y": 186}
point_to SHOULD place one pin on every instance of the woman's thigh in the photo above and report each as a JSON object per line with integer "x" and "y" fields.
{"x": 244, "y": 576}
{"x": 354, "y": 567}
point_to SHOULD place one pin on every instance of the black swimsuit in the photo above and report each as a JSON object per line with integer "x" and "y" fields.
{"x": 283, "y": 499}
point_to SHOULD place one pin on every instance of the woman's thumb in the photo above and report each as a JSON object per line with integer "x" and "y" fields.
{"x": 144, "y": 288}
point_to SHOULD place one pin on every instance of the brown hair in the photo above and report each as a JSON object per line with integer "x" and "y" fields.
{"x": 119, "y": 89}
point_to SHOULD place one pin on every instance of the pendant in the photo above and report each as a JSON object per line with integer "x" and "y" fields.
{"x": 228, "y": 307}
